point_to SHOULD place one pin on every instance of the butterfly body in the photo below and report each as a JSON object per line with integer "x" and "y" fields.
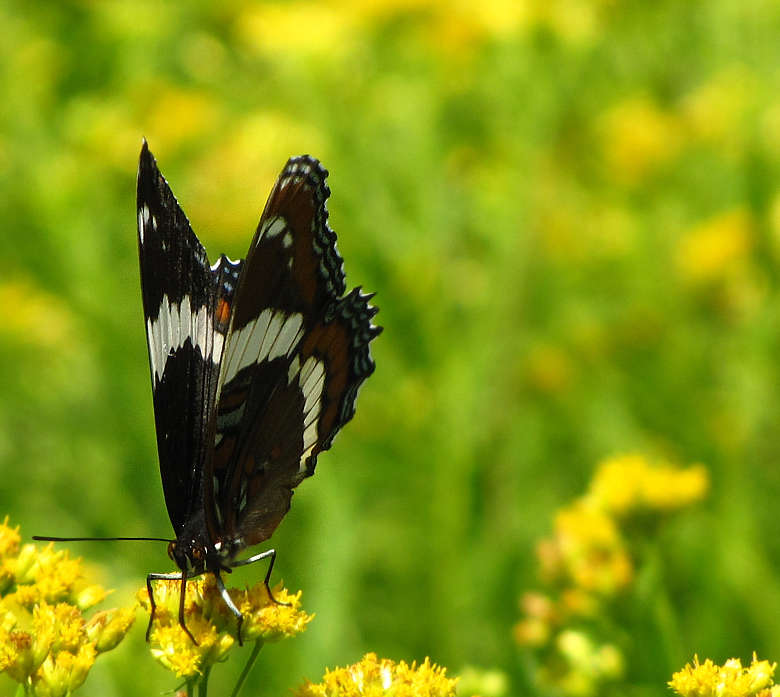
{"x": 255, "y": 364}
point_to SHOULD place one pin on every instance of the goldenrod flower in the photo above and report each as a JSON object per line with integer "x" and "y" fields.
{"x": 631, "y": 483}
{"x": 9, "y": 540}
{"x": 174, "y": 649}
{"x": 46, "y": 643}
{"x": 711, "y": 680}
{"x": 23, "y": 653}
{"x": 592, "y": 552}
{"x": 270, "y": 621}
{"x": 63, "y": 672}
{"x": 588, "y": 561}
{"x": 376, "y": 677}
{"x": 107, "y": 628}
{"x": 213, "y": 625}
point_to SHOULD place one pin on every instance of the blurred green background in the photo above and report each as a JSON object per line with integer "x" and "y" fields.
{"x": 570, "y": 213}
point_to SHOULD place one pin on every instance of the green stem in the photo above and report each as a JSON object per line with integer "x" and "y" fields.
{"x": 203, "y": 685}
{"x": 247, "y": 668}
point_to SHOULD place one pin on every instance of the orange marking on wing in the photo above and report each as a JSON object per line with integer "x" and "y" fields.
{"x": 223, "y": 311}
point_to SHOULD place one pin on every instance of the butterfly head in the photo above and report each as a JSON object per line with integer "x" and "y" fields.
{"x": 190, "y": 555}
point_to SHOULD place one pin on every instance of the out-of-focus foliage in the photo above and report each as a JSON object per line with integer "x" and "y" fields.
{"x": 571, "y": 215}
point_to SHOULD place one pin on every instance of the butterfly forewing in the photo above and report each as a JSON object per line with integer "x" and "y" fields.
{"x": 180, "y": 296}
{"x": 274, "y": 407}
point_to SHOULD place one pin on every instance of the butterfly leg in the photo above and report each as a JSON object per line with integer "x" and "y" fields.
{"x": 231, "y": 605}
{"x": 168, "y": 577}
{"x": 257, "y": 557}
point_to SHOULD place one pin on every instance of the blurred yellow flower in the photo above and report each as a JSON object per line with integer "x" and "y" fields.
{"x": 483, "y": 682}
{"x": 713, "y": 250}
{"x": 592, "y": 551}
{"x": 34, "y": 316}
{"x": 46, "y": 643}
{"x": 588, "y": 663}
{"x": 731, "y": 679}
{"x": 714, "y": 109}
{"x": 246, "y": 162}
{"x": 627, "y": 483}
{"x": 573, "y": 21}
{"x": 638, "y": 137}
{"x": 375, "y": 677}
{"x": 320, "y": 29}
{"x": 213, "y": 625}
{"x": 178, "y": 116}
{"x": 587, "y": 562}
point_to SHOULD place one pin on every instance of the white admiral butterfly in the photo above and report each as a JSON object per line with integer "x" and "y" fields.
{"x": 255, "y": 366}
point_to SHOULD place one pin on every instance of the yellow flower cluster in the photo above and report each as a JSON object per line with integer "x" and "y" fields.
{"x": 638, "y": 139}
{"x": 588, "y": 562}
{"x": 375, "y": 677}
{"x": 629, "y": 484}
{"x": 717, "y": 248}
{"x": 213, "y": 625}
{"x": 711, "y": 680}
{"x": 46, "y": 643}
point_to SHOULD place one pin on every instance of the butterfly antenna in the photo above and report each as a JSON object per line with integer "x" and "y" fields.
{"x": 41, "y": 538}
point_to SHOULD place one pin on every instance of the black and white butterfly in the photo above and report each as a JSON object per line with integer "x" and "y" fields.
{"x": 255, "y": 365}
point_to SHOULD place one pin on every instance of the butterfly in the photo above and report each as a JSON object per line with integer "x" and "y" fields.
{"x": 255, "y": 366}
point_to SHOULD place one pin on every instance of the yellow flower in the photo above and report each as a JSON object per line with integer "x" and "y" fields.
{"x": 71, "y": 629}
{"x": 479, "y": 681}
{"x": 375, "y": 677}
{"x": 174, "y": 649}
{"x": 717, "y": 248}
{"x": 589, "y": 663}
{"x": 9, "y": 540}
{"x": 90, "y": 596}
{"x": 638, "y": 138}
{"x": 63, "y": 672}
{"x": 629, "y": 483}
{"x": 45, "y": 642}
{"x": 46, "y": 321}
{"x": 53, "y": 575}
{"x": 23, "y": 653}
{"x": 710, "y": 680}
{"x": 592, "y": 551}
{"x": 270, "y": 621}
{"x": 108, "y": 627}
{"x": 213, "y": 625}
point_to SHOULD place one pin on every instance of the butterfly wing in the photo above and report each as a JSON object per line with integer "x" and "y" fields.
{"x": 295, "y": 354}
{"x": 186, "y": 310}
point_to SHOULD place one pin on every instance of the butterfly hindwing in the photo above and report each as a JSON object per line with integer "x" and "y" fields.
{"x": 306, "y": 412}
{"x": 180, "y": 295}
{"x": 274, "y": 411}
